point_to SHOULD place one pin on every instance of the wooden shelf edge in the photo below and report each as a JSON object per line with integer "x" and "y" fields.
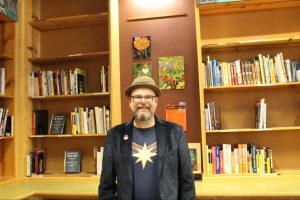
{"x": 244, "y": 6}
{"x": 4, "y": 18}
{"x": 71, "y": 96}
{"x": 6, "y": 97}
{"x": 290, "y": 128}
{"x": 67, "y": 136}
{"x": 79, "y": 56}
{"x": 286, "y": 174}
{"x": 4, "y": 56}
{"x": 83, "y": 175}
{"x": 159, "y": 16}
{"x": 70, "y": 21}
{"x": 232, "y": 43}
{"x": 6, "y": 137}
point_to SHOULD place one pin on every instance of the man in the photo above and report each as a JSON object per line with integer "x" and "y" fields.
{"x": 146, "y": 158}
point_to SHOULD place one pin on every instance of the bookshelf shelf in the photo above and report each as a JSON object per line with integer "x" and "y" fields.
{"x": 6, "y": 97}
{"x": 244, "y": 6}
{"x": 4, "y": 18}
{"x": 67, "y": 136}
{"x": 87, "y": 95}
{"x": 73, "y": 57}
{"x": 274, "y": 129}
{"x": 243, "y": 43}
{"x": 246, "y": 87}
{"x": 6, "y": 138}
{"x": 70, "y": 21}
{"x": 4, "y": 56}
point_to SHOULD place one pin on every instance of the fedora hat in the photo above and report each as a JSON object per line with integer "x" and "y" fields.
{"x": 142, "y": 82}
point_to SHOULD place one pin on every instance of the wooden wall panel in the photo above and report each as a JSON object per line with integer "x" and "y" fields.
{"x": 174, "y": 36}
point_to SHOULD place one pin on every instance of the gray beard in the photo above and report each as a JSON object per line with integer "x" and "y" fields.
{"x": 143, "y": 116}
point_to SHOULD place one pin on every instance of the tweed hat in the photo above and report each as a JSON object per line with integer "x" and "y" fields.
{"x": 142, "y": 82}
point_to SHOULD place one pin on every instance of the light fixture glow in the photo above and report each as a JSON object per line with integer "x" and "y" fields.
{"x": 152, "y": 3}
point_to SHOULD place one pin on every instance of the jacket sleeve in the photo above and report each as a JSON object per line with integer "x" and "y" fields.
{"x": 186, "y": 187}
{"x": 108, "y": 188}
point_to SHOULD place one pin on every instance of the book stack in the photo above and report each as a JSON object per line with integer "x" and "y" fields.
{"x": 36, "y": 161}
{"x": 6, "y": 123}
{"x": 212, "y": 116}
{"x": 242, "y": 159}
{"x": 94, "y": 120}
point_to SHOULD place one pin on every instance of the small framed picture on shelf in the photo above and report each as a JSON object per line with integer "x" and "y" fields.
{"x": 195, "y": 154}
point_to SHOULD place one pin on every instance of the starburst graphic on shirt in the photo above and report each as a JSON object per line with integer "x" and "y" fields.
{"x": 144, "y": 153}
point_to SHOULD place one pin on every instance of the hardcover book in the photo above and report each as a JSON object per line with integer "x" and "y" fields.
{"x": 57, "y": 124}
{"x": 39, "y": 122}
{"x": 72, "y": 162}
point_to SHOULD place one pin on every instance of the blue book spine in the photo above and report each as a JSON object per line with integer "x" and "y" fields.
{"x": 215, "y": 73}
{"x": 253, "y": 154}
{"x": 218, "y": 162}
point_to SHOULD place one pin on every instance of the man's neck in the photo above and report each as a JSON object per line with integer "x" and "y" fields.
{"x": 144, "y": 124}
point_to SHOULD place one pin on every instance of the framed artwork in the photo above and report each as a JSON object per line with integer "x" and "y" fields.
{"x": 171, "y": 72}
{"x": 195, "y": 153}
{"x": 142, "y": 69}
{"x": 141, "y": 47}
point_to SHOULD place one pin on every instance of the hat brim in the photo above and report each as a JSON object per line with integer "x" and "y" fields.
{"x": 152, "y": 87}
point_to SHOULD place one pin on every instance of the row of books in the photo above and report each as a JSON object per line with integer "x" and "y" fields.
{"x": 2, "y": 81}
{"x": 213, "y": 115}
{"x": 58, "y": 82}
{"x": 6, "y": 123}
{"x": 90, "y": 120}
{"x": 243, "y": 158}
{"x": 36, "y": 161}
{"x": 261, "y": 70}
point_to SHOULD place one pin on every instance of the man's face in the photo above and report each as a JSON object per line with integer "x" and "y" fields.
{"x": 143, "y": 103}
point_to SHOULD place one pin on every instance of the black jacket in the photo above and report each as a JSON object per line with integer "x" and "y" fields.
{"x": 174, "y": 166}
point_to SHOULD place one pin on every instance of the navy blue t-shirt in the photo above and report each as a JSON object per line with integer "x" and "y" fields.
{"x": 144, "y": 156}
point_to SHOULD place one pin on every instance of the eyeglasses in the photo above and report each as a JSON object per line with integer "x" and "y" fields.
{"x": 138, "y": 98}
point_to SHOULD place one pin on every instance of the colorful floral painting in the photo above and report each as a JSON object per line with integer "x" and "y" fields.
{"x": 142, "y": 69}
{"x": 171, "y": 72}
{"x": 141, "y": 47}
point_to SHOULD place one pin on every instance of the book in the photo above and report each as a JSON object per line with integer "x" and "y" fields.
{"x": 72, "y": 162}
{"x": 57, "y": 124}
{"x": 39, "y": 122}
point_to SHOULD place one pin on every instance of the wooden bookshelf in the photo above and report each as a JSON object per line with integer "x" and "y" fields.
{"x": 242, "y": 30}
{"x": 71, "y": 21}
{"x": 245, "y": 6}
{"x": 65, "y": 38}
{"x": 7, "y": 99}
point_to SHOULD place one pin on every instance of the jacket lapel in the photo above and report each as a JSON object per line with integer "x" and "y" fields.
{"x": 126, "y": 149}
{"x": 162, "y": 142}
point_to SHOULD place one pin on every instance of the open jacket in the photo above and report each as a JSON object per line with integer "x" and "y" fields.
{"x": 174, "y": 166}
